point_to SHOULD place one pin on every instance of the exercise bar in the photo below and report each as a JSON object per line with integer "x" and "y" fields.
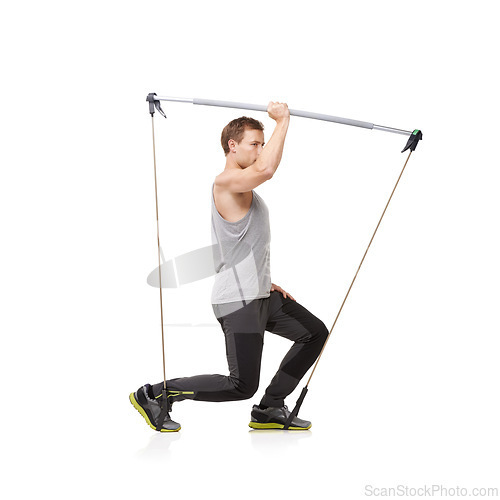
{"x": 293, "y": 112}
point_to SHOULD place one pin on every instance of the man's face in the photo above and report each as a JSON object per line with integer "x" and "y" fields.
{"x": 250, "y": 147}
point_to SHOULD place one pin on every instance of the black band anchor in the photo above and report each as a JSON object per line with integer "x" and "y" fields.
{"x": 153, "y": 103}
{"x": 413, "y": 140}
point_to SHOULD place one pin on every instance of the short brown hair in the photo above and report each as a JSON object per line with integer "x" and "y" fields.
{"x": 236, "y": 129}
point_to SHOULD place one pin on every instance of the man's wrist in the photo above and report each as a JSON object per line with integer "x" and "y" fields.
{"x": 284, "y": 120}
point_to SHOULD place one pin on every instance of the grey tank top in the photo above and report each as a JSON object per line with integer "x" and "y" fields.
{"x": 242, "y": 256}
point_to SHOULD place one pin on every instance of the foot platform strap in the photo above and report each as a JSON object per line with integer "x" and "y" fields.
{"x": 295, "y": 411}
{"x": 166, "y": 408}
{"x": 166, "y": 404}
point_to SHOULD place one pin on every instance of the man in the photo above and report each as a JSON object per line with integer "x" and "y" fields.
{"x": 244, "y": 300}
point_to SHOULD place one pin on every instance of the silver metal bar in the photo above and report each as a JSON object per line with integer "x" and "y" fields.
{"x": 393, "y": 130}
{"x": 229, "y": 104}
{"x": 293, "y": 112}
{"x": 176, "y": 99}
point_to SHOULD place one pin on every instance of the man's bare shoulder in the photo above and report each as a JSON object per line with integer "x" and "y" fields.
{"x": 223, "y": 180}
{"x": 222, "y": 188}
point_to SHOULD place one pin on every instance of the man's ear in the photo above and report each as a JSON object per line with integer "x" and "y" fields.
{"x": 231, "y": 143}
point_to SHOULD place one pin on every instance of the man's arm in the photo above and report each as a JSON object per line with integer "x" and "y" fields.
{"x": 270, "y": 158}
{"x": 244, "y": 180}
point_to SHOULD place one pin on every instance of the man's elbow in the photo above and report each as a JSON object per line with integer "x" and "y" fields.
{"x": 268, "y": 174}
{"x": 265, "y": 170}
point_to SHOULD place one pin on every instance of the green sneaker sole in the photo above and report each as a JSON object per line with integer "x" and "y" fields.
{"x": 256, "y": 425}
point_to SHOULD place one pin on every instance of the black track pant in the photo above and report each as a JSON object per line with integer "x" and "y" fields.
{"x": 244, "y": 332}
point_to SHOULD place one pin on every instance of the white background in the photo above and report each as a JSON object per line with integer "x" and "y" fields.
{"x": 407, "y": 390}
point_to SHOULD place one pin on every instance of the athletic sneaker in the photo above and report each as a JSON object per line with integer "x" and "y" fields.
{"x": 275, "y": 418}
{"x": 149, "y": 407}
